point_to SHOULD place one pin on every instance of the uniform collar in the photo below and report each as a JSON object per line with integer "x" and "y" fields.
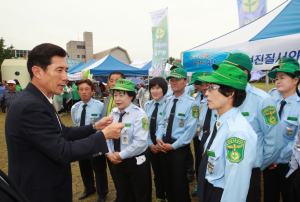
{"x": 127, "y": 110}
{"x": 89, "y": 102}
{"x": 248, "y": 87}
{"x": 290, "y": 99}
{"x": 222, "y": 119}
{"x": 161, "y": 101}
{"x": 180, "y": 98}
{"x": 49, "y": 99}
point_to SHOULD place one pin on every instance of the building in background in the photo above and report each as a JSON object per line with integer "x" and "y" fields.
{"x": 81, "y": 50}
{"x": 21, "y": 53}
{"x": 117, "y": 52}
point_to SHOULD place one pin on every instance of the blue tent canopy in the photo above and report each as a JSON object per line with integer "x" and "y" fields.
{"x": 147, "y": 66}
{"x": 75, "y": 67}
{"x": 111, "y": 64}
{"x": 79, "y": 69}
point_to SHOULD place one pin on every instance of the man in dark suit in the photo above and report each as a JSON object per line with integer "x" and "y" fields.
{"x": 40, "y": 148}
{"x": 9, "y": 192}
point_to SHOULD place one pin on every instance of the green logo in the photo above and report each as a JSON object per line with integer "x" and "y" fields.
{"x": 235, "y": 149}
{"x": 250, "y": 6}
{"x": 270, "y": 115}
{"x": 192, "y": 93}
{"x": 145, "y": 124}
{"x": 195, "y": 110}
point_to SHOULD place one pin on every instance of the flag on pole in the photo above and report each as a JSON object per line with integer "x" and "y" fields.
{"x": 160, "y": 41}
{"x": 250, "y": 10}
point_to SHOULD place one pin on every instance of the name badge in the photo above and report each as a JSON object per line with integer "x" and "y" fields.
{"x": 160, "y": 113}
{"x": 211, "y": 153}
{"x": 124, "y": 139}
{"x": 127, "y": 125}
{"x": 179, "y": 114}
{"x": 292, "y": 118}
{"x": 245, "y": 113}
{"x": 94, "y": 115}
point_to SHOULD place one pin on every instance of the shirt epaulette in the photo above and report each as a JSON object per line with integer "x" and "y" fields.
{"x": 272, "y": 90}
{"x": 259, "y": 92}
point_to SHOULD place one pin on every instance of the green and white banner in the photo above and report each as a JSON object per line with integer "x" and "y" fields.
{"x": 160, "y": 41}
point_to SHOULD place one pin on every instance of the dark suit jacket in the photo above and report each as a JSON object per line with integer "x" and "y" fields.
{"x": 40, "y": 150}
{"x": 9, "y": 192}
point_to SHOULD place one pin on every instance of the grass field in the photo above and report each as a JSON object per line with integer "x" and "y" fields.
{"x": 78, "y": 187}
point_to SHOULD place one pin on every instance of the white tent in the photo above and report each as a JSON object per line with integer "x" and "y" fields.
{"x": 139, "y": 64}
{"x": 266, "y": 40}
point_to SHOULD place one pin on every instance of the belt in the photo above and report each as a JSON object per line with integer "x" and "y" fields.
{"x": 209, "y": 185}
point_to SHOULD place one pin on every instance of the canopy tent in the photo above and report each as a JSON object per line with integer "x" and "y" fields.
{"x": 136, "y": 80}
{"x": 80, "y": 68}
{"x": 266, "y": 40}
{"x": 109, "y": 64}
{"x": 140, "y": 64}
{"x": 75, "y": 67}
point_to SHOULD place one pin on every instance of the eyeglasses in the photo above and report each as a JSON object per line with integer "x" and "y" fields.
{"x": 211, "y": 88}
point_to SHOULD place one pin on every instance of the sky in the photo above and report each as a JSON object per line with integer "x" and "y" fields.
{"x": 125, "y": 23}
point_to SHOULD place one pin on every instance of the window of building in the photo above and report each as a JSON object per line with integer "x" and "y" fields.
{"x": 21, "y": 55}
{"x": 83, "y": 56}
{"x": 17, "y": 51}
{"x": 80, "y": 47}
{"x": 17, "y": 73}
{"x": 18, "y": 55}
{"x": 78, "y": 56}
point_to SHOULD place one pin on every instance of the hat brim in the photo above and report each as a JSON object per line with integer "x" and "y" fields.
{"x": 123, "y": 88}
{"x": 212, "y": 79}
{"x": 274, "y": 73}
{"x": 175, "y": 76}
{"x": 216, "y": 65}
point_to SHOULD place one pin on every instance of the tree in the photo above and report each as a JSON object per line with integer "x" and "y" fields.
{"x": 7, "y": 53}
{"x": 172, "y": 60}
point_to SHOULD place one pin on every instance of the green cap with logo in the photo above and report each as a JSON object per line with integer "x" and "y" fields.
{"x": 284, "y": 67}
{"x": 236, "y": 59}
{"x": 196, "y": 80}
{"x": 286, "y": 60}
{"x": 195, "y": 75}
{"x": 176, "y": 65}
{"x": 178, "y": 73}
{"x": 125, "y": 85}
{"x": 227, "y": 75}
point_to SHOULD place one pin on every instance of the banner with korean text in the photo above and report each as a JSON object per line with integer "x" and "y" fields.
{"x": 250, "y": 10}
{"x": 160, "y": 41}
{"x": 264, "y": 53}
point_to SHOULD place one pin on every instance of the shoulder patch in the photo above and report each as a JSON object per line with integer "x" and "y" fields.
{"x": 195, "y": 110}
{"x": 270, "y": 115}
{"x": 145, "y": 125}
{"x": 192, "y": 93}
{"x": 235, "y": 149}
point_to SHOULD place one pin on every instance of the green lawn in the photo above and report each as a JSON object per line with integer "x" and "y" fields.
{"x": 77, "y": 181}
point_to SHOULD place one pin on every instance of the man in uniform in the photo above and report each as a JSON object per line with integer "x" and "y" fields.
{"x": 8, "y": 96}
{"x": 254, "y": 109}
{"x": 175, "y": 132}
{"x": 89, "y": 111}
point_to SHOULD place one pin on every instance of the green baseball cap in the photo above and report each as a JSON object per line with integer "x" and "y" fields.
{"x": 286, "y": 60}
{"x": 178, "y": 73}
{"x": 287, "y": 68}
{"x": 176, "y": 65}
{"x": 125, "y": 85}
{"x": 197, "y": 81}
{"x": 195, "y": 75}
{"x": 236, "y": 59}
{"x": 228, "y": 75}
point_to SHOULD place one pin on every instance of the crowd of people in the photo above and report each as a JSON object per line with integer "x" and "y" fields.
{"x": 238, "y": 132}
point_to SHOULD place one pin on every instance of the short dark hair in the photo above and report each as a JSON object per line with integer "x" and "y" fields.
{"x": 161, "y": 82}
{"x": 42, "y": 54}
{"x": 87, "y": 81}
{"x": 129, "y": 93}
{"x": 239, "y": 95}
{"x": 4, "y": 81}
{"x": 17, "y": 82}
{"x": 117, "y": 72}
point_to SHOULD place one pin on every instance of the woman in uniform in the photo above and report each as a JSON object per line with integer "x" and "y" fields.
{"x": 230, "y": 149}
{"x": 154, "y": 110}
{"x": 129, "y": 154}
{"x": 288, "y": 106}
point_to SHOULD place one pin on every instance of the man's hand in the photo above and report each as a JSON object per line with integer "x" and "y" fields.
{"x": 118, "y": 156}
{"x": 161, "y": 145}
{"x": 112, "y": 157}
{"x": 113, "y": 131}
{"x": 168, "y": 147}
{"x": 100, "y": 125}
{"x": 197, "y": 133}
{"x": 154, "y": 149}
{"x": 272, "y": 166}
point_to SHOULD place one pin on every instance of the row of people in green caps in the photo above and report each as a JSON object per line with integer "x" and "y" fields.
{"x": 282, "y": 176}
{"x": 173, "y": 123}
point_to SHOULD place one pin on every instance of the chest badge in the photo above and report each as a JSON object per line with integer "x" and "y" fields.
{"x": 181, "y": 123}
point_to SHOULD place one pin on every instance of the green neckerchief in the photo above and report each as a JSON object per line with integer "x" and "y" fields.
{"x": 111, "y": 105}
